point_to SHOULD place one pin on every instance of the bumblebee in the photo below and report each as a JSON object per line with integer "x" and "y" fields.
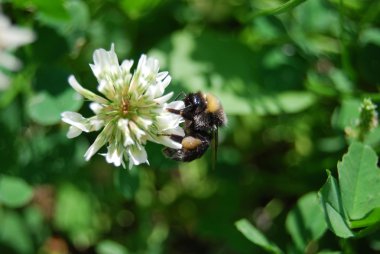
{"x": 203, "y": 114}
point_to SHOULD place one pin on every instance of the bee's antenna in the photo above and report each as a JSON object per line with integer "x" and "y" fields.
{"x": 180, "y": 94}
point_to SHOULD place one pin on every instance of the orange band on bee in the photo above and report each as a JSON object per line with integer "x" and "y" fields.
{"x": 213, "y": 103}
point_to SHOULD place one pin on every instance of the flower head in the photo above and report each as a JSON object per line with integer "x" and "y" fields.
{"x": 131, "y": 111}
{"x": 11, "y": 37}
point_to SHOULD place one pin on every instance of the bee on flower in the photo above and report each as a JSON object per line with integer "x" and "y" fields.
{"x": 131, "y": 110}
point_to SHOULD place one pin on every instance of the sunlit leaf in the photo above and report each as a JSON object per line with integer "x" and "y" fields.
{"x": 306, "y": 222}
{"x": 292, "y": 102}
{"x": 352, "y": 4}
{"x": 75, "y": 214}
{"x": 51, "y": 12}
{"x": 135, "y": 9}
{"x": 371, "y": 219}
{"x": 359, "y": 180}
{"x": 317, "y": 29}
{"x": 370, "y": 35}
{"x": 14, "y": 233}
{"x": 280, "y": 9}
{"x": 14, "y": 191}
{"x": 43, "y": 109}
{"x": 110, "y": 247}
{"x": 355, "y": 203}
{"x": 46, "y": 109}
{"x": 255, "y": 236}
{"x": 331, "y": 202}
{"x": 341, "y": 81}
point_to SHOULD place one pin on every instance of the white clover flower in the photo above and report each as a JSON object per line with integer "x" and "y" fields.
{"x": 11, "y": 37}
{"x": 132, "y": 111}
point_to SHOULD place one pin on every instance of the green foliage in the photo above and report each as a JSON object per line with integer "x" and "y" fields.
{"x": 305, "y": 222}
{"x": 127, "y": 182}
{"x": 14, "y": 233}
{"x": 46, "y": 109}
{"x": 255, "y": 236}
{"x": 14, "y": 192}
{"x": 353, "y": 202}
{"x": 76, "y": 215}
{"x": 299, "y": 81}
{"x": 358, "y": 169}
{"x": 333, "y": 208}
{"x": 110, "y": 247}
{"x": 282, "y": 8}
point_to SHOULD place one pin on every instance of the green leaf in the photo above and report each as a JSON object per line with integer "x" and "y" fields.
{"x": 255, "y": 236}
{"x": 293, "y": 102}
{"x": 43, "y": 109}
{"x": 36, "y": 222}
{"x": 340, "y": 81}
{"x": 51, "y": 12}
{"x": 354, "y": 5}
{"x": 370, "y": 35}
{"x": 286, "y": 102}
{"x": 371, "y": 219}
{"x": 280, "y": 9}
{"x": 135, "y": 9}
{"x": 46, "y": 109}
{"x": 75, "y": 214}
{"x": 359, "y": 180}
{"x": 14, "y": 233}
{"x": 234, "y": 105}
{"x": 305, "y": 222}
{"x": 317, "y": 30}
{"x": 14, "y": 192}
{"x": 331, "y": 202}
{"x": 110, "y": 247}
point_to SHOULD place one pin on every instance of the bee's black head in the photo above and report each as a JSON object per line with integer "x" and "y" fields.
{"x": 195, "y": 102}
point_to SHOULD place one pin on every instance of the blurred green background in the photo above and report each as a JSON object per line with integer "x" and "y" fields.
{"x": 291, "y": 79}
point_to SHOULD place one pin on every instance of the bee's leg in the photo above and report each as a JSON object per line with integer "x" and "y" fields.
{"x": 176, "y": 138}
{"x": 174, "y": 154}
{"x": 171, "y": 153}
{"x": 186, "y": 112}
{"x": 175, "y": 111}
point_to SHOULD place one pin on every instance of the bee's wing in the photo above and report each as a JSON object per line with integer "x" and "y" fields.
{"x": 214, "y": 147}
